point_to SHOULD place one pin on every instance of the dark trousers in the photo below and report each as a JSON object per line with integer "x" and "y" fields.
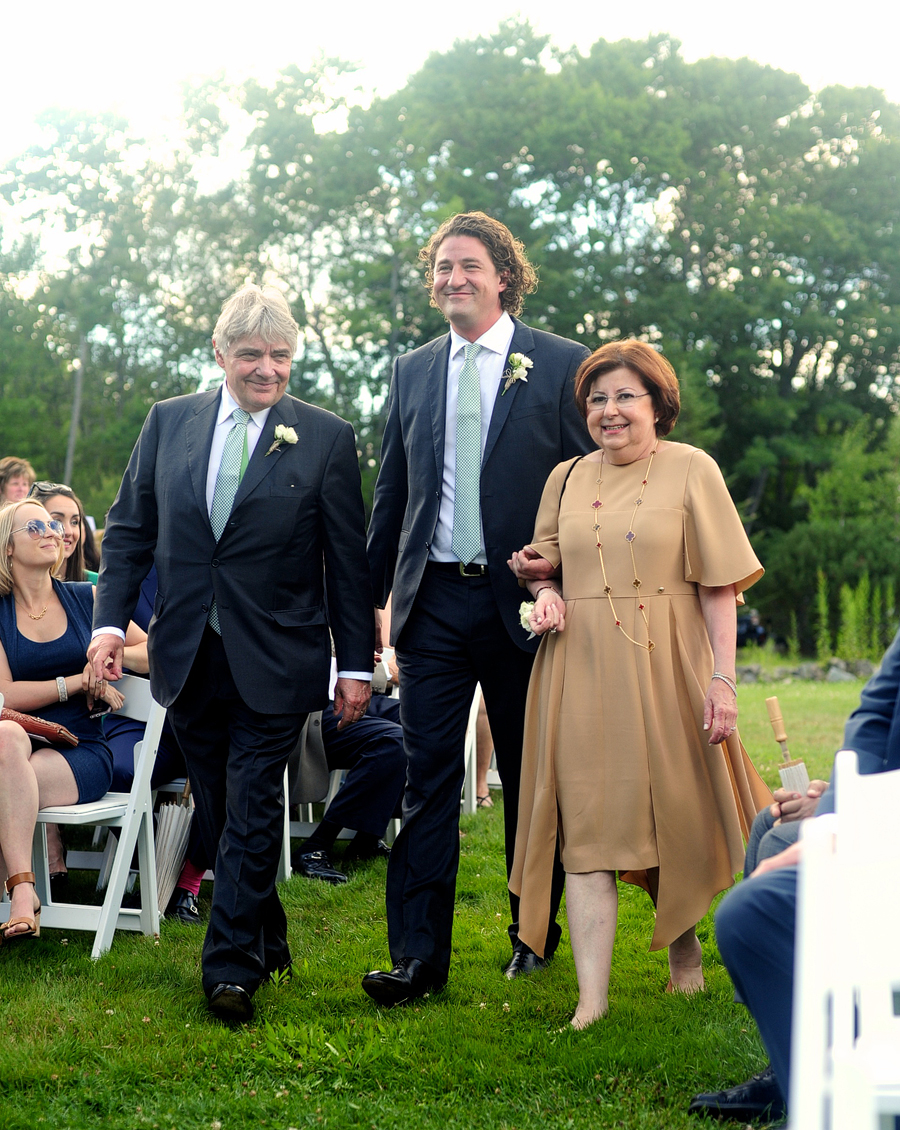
{"x": 755, "y": 929}
{"x": 372, "y": 752}
{"x": 453, "y": 639}
{"x": 235, "y": 759}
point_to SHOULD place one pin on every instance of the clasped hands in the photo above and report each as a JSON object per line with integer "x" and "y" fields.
{"x": 549, "y": 614}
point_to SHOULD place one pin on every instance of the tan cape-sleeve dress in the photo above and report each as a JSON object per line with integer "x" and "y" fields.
{"x": 615, "y": 755}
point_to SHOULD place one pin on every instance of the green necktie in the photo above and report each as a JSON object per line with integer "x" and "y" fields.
{"x": 466, "y": 539}
{"x": 231, "y": 471}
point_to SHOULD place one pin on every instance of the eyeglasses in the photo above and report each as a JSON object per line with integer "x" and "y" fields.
{"x": 44, "y": 489}
{"x": 621, "y": 399}
{"x": 37, "y": 528}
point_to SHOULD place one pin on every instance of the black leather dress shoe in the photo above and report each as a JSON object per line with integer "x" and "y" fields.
{"x": 757, "y": 1098}
{"x": 524, "y": 961}
{"x": 408, "y": 980}
{"x": 317, "y": 865}
{"x": 231, "y": 1003}
{"x": 183, "y": 905}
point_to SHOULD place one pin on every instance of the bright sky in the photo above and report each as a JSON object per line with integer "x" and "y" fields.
{"x": 105, "y": 55}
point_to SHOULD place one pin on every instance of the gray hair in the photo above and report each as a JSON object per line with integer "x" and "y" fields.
{"x": 256, "y": 312}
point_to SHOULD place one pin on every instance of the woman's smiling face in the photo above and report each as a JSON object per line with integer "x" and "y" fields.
{"x": 65, "y": 510}
{"x": 624, "y": 429}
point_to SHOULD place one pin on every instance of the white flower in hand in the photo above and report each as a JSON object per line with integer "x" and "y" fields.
{"x": 526, "y": 609}
{"x": 519, "y": 365}
{"x": 283, "y": 435}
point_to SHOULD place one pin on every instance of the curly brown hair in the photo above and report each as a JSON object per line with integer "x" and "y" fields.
{"x": 507, "y": 254}
{"x": 648, "y": 363}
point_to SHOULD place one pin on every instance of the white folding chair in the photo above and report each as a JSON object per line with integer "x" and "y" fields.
{"x": 845, "y": 1055}
{"x": 469, "y": 799}
{"x": 132, "y": 814}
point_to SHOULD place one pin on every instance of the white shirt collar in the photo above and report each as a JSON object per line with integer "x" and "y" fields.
{"x": 496, "y": 339}
{"x": 227, "y": 405}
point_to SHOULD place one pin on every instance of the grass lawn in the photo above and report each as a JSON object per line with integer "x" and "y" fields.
{"x": 128, "y": 1042}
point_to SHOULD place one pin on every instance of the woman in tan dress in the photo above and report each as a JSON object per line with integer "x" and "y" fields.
{"x": 631, "y": 752}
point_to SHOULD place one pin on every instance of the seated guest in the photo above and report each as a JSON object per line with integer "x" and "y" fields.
{"x": 774, "y": 829}
{"x": 755, "y": 923}
{"x": 62, "y": 504}
{"x": 45, "y": 627}
{"x": 16, "y": 477}
{"x": 372, "y": 752}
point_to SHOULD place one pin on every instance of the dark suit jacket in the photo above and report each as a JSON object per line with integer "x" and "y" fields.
{"x": 297, "y": 523}
{"x": 533, "y": 426}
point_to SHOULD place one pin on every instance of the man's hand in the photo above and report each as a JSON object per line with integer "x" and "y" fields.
{"x": 528, "y": 565}
{"x": 351, "y": 697}
{"x": 790, "y": 806}
{"x": 105, "y": 654}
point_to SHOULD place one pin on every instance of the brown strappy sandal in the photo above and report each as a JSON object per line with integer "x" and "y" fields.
{"x": 33, "y": 924}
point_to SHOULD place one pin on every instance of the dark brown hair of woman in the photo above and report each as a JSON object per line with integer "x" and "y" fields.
{"x": 655, "y": 372}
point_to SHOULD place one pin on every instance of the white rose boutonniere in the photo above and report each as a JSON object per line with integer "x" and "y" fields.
{"x": 519, "y": 365}
{"x": 525, "y": 610}
{"x": 282, "y": 435}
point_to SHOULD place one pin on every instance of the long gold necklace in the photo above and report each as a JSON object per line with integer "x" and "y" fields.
{"x": 630, "y": 538}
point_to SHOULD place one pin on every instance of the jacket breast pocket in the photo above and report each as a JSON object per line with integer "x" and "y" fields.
{"x": 527, "y": 410}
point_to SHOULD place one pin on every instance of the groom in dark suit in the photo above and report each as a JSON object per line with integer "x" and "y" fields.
{"x": 249, "y": 503}
{"x": 476, "y": 421}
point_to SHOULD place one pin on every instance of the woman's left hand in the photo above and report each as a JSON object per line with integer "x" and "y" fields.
{"x": 95, "y": 689}
{"x": 719, "y": 711}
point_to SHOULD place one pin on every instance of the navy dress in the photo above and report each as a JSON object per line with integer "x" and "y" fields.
{"x": 90, "y": 760}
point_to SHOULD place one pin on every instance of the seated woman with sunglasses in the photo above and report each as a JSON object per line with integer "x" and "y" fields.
{"x": 45, "y": 627}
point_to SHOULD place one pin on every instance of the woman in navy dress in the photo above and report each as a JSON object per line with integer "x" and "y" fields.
{"x": 45, "y": 627}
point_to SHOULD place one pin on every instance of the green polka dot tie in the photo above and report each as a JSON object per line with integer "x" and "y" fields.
{"x": 466, "y": 539}
{"x": 231, "y": 471}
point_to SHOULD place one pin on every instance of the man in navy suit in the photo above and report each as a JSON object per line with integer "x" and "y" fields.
{"x": 249, "y": 502}
{"x": 755, "y": 923}
{"x": 477, "y": 420}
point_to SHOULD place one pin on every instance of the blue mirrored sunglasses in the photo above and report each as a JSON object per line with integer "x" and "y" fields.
{"x": 37, "y": 528}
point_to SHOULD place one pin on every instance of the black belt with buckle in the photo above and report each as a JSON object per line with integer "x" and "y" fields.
{"x": 458, "y": 569}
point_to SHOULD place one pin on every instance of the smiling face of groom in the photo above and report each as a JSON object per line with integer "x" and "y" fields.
{"x": 467, "y": 285}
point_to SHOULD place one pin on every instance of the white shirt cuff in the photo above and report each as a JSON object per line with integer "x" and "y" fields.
{"x": 365, "y": 676}
{"x": 108, "y": 632}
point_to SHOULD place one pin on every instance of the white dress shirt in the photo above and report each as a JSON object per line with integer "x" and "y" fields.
{"x": 492, "y": 363}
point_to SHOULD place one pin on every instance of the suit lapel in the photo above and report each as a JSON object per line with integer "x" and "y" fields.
{"x": 198, "y": 435}
{"x": 436, "y": 391}
{"x": 522, "y": 342}
{"x": 261, "y": 464}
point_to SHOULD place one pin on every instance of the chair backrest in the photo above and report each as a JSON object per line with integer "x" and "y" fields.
{"x": 847, "y": 958}
{"x": 138, "y": 699}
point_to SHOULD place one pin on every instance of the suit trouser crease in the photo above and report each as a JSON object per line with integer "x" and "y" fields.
{"x": 235, "y": 758}
{"x": 453, "y": 639}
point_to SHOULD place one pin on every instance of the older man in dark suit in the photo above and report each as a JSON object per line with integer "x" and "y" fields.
{"x": 249, "y": 502}
{"x": 477, "y": 420}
